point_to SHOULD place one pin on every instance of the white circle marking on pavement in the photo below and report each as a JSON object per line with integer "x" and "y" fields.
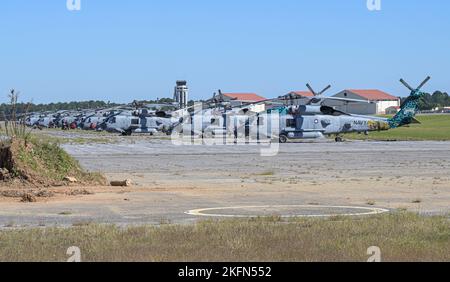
{"x": 369, "y": 211}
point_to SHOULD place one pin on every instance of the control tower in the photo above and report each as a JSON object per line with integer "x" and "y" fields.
{"x": 181, "y": 94}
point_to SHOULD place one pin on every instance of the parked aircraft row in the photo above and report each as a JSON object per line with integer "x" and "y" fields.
{"x": 216, "y": 117}
{"x": 124, "y": 120}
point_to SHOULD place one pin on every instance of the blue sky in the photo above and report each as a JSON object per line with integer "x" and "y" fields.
{"x": 124, "y": 50}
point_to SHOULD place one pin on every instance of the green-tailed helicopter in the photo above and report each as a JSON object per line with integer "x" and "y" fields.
{"x": 315, "y": 120}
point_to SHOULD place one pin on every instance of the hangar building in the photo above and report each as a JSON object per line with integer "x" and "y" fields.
{"x": 380, "y": 102}
{"x": 239, "y": 99}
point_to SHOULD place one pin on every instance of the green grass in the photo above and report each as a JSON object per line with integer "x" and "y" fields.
{"x": 83, "y": 141}
{"x": 81, "y": 131}
{"x": 89, "y": 138}
{"x": 401, "y": 237}
{"x": 266, "y": 173}
{"x": 432, "y": 127}
{"x": 42, "y": 161}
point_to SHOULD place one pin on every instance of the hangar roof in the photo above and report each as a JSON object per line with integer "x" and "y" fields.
{"x": 245, "y": 97}
{"x": 373, "y": 94}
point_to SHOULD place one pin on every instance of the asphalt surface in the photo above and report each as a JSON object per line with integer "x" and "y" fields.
{"x": 235, "y": 180}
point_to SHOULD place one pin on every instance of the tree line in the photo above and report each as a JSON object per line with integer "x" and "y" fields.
{"x": 431, "y": 101}
{"x": 428, "y": 102}
{"x": 21, "y": 108}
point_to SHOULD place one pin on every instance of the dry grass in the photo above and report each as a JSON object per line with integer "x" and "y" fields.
{"x": 266, "y": 173}
{"x": 43, "y": 163}
{"x": 13, "y": 126}
{"x": 401, "y": 237}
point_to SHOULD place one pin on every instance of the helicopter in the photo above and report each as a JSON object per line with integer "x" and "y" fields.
{"x": 313, "y": 120}
{"x": 127, "y": 122}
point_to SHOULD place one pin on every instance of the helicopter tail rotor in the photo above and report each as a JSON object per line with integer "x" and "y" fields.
{"x": 419, "y": 87}
{"x": 406, "y": 84}
{"x": 410, "y": 106}
{"x": 424, "y": 82}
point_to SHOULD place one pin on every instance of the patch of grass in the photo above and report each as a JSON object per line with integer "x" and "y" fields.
{"x": 43, "y": 161}
{"x": 79, "y": 131}
{"x": 401, "y": 237}
{"x": 82, "y": 224}
{"x": 71, "y": 139}
{"x": 432, "y": 127}
{"x": 10, "y": 224}
{"x": 266, "y": 173}
{"x": 35, "y": 159}
{"x": 371, "y": 203}
{"x": 13, "y": 127}
{"x": 82, "y": 141}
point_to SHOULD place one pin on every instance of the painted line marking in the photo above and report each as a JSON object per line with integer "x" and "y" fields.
{"x": 370, "y": 211}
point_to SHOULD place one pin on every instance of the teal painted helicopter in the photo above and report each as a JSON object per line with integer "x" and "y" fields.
{"x": 315, "y": 120}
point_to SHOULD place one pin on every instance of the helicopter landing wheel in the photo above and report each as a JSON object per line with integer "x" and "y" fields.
{"x": 127, "y": 133}
{"x": 283, "y": 139}
{"x": 339, "y": 139}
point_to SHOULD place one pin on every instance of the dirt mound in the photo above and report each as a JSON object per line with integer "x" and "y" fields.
{"x": 6, "y": 162}
{"x": 41, "y": 163}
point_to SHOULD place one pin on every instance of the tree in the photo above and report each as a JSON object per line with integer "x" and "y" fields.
{"x": 438, "y": 99}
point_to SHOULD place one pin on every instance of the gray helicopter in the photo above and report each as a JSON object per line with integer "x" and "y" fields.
{"x": 315, "y": 120}
{"x": 128, "y": 122}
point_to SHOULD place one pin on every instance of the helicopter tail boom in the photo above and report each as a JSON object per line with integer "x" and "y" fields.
{"x": 409, "y": 108}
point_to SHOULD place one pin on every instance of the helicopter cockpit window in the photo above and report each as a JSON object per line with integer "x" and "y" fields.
{"x": 290, "y": 123}
{"x": 112, "y": 120}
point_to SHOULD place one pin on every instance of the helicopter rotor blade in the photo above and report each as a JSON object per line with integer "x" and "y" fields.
{"x": 424, "y": 82}
{"x": 325, "y": 89}
{"x": 406, "y": 84}
{"x": 311, "y": 89}
{"x": 347, "y": 100}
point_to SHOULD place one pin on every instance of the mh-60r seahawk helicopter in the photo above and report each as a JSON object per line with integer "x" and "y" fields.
{"x": 315, "y": 120}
